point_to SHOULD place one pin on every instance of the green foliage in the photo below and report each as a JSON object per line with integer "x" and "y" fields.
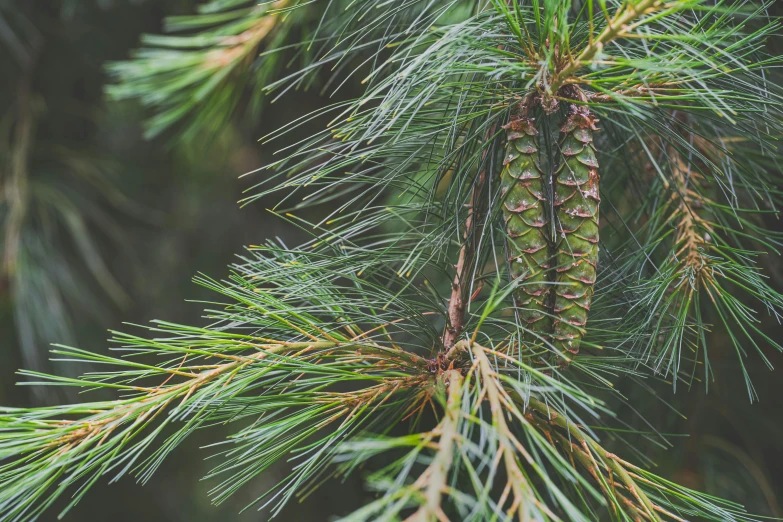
{"x": 404, "y": 300}
{"x": 196, "y": 76}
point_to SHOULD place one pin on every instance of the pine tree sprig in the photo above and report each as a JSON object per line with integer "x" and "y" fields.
{"x": 405, "y": 298}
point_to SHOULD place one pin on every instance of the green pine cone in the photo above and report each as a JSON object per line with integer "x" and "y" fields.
{"x": 576, "y": 210}
{"x": 526, "y": 225}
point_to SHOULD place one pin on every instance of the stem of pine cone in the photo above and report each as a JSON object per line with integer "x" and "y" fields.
{"x": 476, "y": 212}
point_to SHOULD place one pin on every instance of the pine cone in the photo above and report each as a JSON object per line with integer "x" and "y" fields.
{"x": 526, "y": 221}
{"x": 576, "y": 204}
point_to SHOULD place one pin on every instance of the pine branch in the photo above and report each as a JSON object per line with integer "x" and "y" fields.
{"x": 523, "y": 498}
{"x": 357, "y": 305}
{"x": 620, "y": 25}
{"x": 701, "y": 261}
{"x": 113, "y": 435}
{"x": 607, "y": 459}
{"x": 437, "y": 474}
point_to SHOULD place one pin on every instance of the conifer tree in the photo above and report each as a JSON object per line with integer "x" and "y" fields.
{"x": 455, "y": 327}
{"x": 60, "y": 195}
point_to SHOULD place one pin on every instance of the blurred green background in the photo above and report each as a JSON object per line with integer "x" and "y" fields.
{"x": 101, "y": 227}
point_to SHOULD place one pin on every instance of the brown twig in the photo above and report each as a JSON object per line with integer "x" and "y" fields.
{"x": 693, "y": 230}
{"x": 476, "y": 213}
{"x": 459, "y": 287}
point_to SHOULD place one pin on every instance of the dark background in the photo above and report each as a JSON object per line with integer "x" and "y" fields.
{"x": 173, "y": 212}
